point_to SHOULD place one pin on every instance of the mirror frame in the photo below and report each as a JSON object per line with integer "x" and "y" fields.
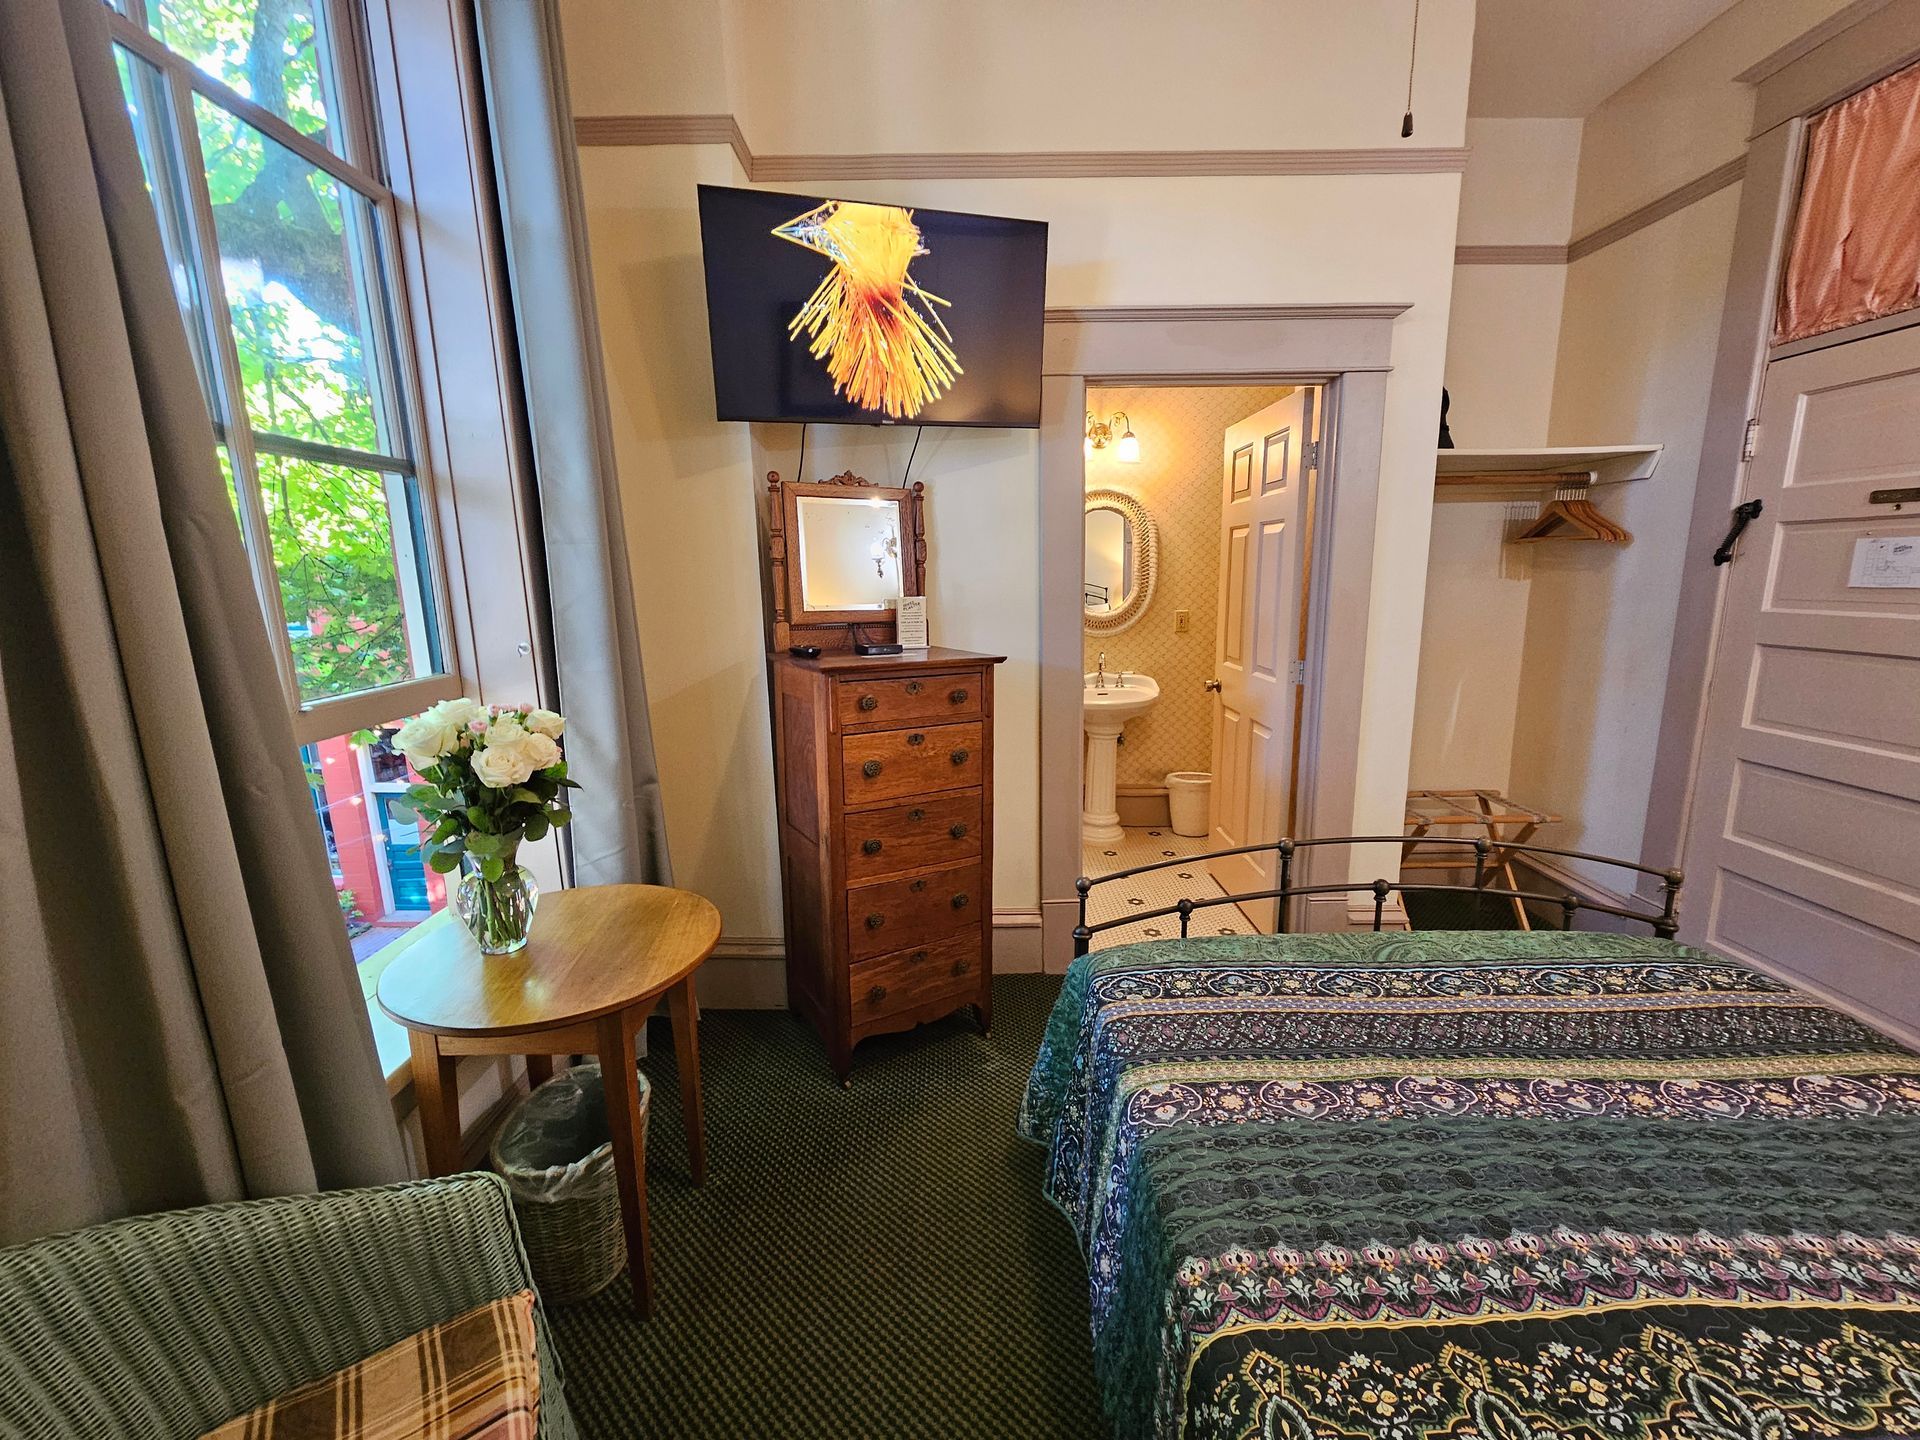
{"x": 1146, "y": 561}
{"x": 792, "y": 622}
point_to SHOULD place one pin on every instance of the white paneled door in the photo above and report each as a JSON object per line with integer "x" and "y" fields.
{"x": 1804, "y": 848}
{"x": 1263, "y": 487}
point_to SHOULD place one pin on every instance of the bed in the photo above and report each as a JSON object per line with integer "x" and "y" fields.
{"x": 1492, "y": 1184}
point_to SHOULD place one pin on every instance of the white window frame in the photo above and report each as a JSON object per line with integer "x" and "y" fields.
{"x": 351, "y": 114}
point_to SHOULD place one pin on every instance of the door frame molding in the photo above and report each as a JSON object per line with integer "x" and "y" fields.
{"x": 1344, "y": 349}
{"x": 1883, "y": 41}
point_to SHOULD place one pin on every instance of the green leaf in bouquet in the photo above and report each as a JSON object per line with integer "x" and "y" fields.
{"x": 560, "y": 816}
{"x": 492, "y": 869}
{"x": 481, "y": 843}
{"x": 443, "y": 862}
{"x": 478, "y": 818}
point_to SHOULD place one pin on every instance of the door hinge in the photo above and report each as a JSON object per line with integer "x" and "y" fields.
{"x": 1297, "y": 673}
{"x": 1751, "y": 445}
{"x": 1310, "y": 457}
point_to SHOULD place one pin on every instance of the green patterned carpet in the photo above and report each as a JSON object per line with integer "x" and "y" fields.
{"x": 862, "y": 1264}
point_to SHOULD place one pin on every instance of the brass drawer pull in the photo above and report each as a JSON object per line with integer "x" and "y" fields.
{"x": 916, "y": 739}
{"x": 913, "y": 687}
{"x": 870, "y": 769}
{"x": 870, "y": 847}
{"x": 959, "y": 757}
{"x": 876, "y": 994}
{"x": 960, "y": 901}
{"x": 869, "y": 702}
{"x": 956, "y": 697}
{"x": 874, "y": 922}
{"x": 960, "y": 967}
{"x": 958, "y": 832}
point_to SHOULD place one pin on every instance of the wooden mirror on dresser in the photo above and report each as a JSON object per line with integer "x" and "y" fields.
{"x": 884, "y": 766}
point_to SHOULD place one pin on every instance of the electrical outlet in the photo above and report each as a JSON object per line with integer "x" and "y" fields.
{"x": 1182, "y": 621}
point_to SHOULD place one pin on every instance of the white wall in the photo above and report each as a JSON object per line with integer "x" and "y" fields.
{"x": 691, "y": 484}
{"x": 1639, "y": 327}
{"x": 1502, "y": 344}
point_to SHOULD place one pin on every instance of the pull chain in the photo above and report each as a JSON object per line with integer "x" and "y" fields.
{"x": 1413, "y": 53}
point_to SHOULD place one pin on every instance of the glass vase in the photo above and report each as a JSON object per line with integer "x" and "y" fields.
{"x": 498, "y": 912}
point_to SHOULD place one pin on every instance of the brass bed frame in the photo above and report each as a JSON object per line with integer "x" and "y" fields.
{"x": 1665, "y": 924}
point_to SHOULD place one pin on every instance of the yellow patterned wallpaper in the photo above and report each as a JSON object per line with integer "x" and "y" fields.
{"x": 1178, "y": 479}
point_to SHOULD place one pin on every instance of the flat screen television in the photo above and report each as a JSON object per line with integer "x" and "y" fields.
{"x": 858, "y": 313}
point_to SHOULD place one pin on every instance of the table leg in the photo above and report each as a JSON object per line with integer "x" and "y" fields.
{"x": 436, "y": 1094}
{"x": 539, "y": 1070}
{"x": 685, "y": 1007}
{"x": 629, "y": 1149}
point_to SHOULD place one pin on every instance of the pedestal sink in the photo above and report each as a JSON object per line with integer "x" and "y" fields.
{"x": 1106, "y": 708}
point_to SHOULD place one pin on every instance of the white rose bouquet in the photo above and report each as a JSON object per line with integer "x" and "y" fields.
{"x": 491, "y": 777}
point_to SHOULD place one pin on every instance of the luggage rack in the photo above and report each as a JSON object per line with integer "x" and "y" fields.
{"x": 1665, "y": 924}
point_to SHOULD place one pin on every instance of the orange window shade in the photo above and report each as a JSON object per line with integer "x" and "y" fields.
{"x": 1856, "y": 237}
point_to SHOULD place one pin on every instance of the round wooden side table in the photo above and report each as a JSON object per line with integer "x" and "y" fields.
{"x": 599, "y": 959}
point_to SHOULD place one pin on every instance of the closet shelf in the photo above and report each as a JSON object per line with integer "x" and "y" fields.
{"x": 1524, "y": 472}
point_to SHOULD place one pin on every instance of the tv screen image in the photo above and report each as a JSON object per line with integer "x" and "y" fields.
{"x": 861, "y": 313}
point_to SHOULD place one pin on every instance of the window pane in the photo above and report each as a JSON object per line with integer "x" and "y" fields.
{"x": 153, "y": 132}
{"x": 383, "y": 887}
{"x": 353, "y": 575}
{"x": 309, "y": 313}
{"x": 274, "y": 52}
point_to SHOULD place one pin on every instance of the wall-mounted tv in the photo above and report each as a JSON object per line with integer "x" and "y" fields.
{"x": 858, "y": 313}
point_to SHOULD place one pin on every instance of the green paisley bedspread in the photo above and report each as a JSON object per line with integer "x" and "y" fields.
{"x": 1487, "y": 1184}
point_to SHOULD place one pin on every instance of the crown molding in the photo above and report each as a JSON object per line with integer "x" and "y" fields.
{"x": 1671, "y": 203}
{"x": 1162, "y": 314}
{"x": 610, "y": 130}
{"x": 1510, "y": 254}
{"x": 618, "y": 130}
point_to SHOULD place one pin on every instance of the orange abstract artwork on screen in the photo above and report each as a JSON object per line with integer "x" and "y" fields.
{"x": 882, "y": 352}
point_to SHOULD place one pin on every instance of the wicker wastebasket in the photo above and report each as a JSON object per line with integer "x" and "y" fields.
{"x": 556, "y": 1154}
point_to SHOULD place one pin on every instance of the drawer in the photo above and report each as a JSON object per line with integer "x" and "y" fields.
{"x": 894, "y": 764}
{"x": 921, "y": 700}
{"x": 905, "y": 979}
{"x": 940, "y": 830}
{"x": 895, "y": 914}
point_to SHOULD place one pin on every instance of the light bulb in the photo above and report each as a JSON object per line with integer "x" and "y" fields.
{"x": 1128, "y": 450}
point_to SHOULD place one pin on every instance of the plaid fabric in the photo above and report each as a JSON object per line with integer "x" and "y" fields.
{"x": 471, "y": 1378}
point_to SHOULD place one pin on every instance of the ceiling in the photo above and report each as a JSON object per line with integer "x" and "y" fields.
{"x": 1563, "y": 57}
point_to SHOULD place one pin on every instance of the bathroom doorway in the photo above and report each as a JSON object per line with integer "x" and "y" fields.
{"x": 1198, "y": 513}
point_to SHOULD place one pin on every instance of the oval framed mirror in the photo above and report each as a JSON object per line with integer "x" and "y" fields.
{"x": 1122, "y": 560}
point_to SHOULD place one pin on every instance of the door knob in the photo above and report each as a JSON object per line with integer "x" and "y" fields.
{"x": 1213, "y": 685}
{"x": 870, "y": 769}
{"x": 870, "y": 847}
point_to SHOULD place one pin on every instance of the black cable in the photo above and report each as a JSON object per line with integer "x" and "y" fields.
{"x": 907, "y": 474}
{"x": 800, "y": 473}
{"x": 1413, "y": 52}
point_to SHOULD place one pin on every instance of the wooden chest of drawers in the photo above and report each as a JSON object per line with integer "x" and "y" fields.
{"x": 885, "y": 773}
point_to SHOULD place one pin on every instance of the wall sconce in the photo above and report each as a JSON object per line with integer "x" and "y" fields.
{"x": 1100, "y": 435}
{"x": 879, "y": 552}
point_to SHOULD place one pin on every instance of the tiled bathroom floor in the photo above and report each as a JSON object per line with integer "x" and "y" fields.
{"x": 1151, "y": 891}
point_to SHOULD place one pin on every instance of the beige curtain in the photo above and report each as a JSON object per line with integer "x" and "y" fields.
{"x": 1856, "y": 234}
{"x": 619, "y": 829}
{"x": 182, "y": 1020}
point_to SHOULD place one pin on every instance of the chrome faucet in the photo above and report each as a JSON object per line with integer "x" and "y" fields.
{"x": 1100, "y": 673}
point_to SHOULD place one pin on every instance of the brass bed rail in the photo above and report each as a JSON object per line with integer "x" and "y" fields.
{"x": 1665, "y": 924}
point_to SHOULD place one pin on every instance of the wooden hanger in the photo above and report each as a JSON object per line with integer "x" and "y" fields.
{"x": 1571, "y": 516}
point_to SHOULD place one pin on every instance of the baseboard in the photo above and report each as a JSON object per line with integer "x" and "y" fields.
{"x": 1016, "y": 942}
{"x": 750, "y": 972}
{"x": 1324, "y": 913}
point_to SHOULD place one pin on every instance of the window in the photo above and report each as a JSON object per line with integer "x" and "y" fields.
{"x": 255, "y": 124}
